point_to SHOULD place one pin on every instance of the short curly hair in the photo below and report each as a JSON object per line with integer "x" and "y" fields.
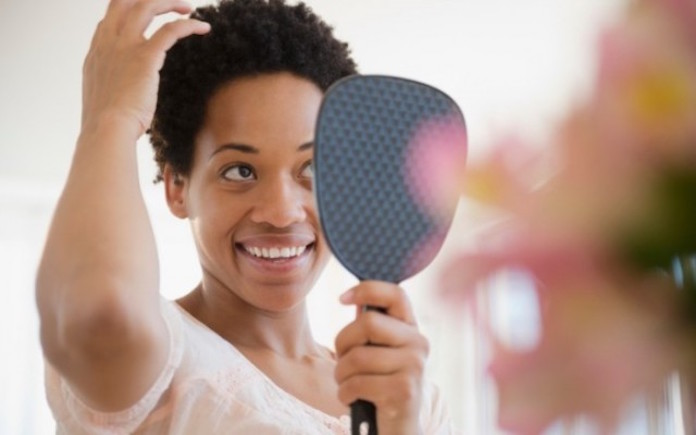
{"x": 247, "y": 38}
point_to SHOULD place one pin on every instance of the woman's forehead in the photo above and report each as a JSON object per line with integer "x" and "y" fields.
{"x": 271, "y": 108}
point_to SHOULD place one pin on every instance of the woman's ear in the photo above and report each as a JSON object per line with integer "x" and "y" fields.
{"x": 175, "y": 190}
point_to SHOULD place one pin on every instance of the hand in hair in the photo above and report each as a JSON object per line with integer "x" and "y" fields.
{"x": 121, "y": 71}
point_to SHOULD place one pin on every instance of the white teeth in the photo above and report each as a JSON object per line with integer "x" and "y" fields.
{"x": 272, "y": 253}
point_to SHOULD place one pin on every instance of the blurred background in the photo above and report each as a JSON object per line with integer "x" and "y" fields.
{"x": 511, "y": 65}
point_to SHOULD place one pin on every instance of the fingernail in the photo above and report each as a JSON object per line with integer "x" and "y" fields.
{"x": 347, "y": 297}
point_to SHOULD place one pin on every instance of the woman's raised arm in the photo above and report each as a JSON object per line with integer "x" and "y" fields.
{"x": 97, "y": 287}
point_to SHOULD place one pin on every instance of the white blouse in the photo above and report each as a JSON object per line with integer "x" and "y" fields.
{"x": 208, "y": 387}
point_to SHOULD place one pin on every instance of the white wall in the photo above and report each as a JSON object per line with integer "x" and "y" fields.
{"x": 505, "y": 61}
{"x": 509, "y": 64}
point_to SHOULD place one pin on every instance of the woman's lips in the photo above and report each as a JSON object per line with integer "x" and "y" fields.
{"x": 275, "y": 252}
{"x": 270, "y": 240}
{"x": 275, "y": 259}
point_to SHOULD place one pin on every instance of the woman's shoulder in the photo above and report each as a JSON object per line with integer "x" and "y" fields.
{"x": 202, "y": 372}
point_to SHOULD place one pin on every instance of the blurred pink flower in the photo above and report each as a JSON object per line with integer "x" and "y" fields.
{"x": 505, "y": 177}
{"x": 606, "y": 334}
{"x": 598, "y": 350}
{"x": 595, "y": 221}
{"x": 645, "y": 98}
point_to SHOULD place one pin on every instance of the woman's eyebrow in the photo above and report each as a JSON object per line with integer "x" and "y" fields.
{"x": 248, "y": 149}
{"x": 306, "y": 146}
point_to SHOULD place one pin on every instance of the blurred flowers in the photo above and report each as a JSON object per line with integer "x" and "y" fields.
{"x": 601, "y": 221}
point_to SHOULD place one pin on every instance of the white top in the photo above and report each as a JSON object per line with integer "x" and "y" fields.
{"x": 208, "y": 387}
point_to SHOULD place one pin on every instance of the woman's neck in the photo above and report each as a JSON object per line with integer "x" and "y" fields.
{"x": 286, "y": 334}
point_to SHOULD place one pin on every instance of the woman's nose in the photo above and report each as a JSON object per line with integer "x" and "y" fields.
{"x": 281, "y": 203}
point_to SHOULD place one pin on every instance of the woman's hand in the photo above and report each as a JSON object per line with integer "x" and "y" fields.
{"x": 121, "y": 71}
{"x": 381, "y": 357}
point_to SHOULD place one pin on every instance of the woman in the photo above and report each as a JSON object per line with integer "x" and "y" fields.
{"x": 232, "y": 115}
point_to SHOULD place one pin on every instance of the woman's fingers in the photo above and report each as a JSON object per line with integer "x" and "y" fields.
{"x": 390, "y": 297}
{"x": 381, "y": 356}
{"x": 380, "y": 360}
{"x": 373, "y": 327}
{"x": 143, "y": 12}
{"x": 121, "y": 68}
{"x": 116, "y": 15}
{"x": 391, "y": 395}
{"x": 167, "y": 35}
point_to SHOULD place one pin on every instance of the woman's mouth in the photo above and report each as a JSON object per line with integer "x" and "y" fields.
{"x": 276, "y": 252}
{"x": 272, "y": 260}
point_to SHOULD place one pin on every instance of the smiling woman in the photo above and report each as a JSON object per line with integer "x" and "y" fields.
{"x": 250, "y": 191}
{"x": 507, "y": 63}
{"x": 232, "y": 115}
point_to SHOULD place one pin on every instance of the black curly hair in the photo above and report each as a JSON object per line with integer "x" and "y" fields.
{"x": 247, "y": 38}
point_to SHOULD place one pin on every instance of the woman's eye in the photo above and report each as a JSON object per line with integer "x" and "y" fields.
{"x": 239, "y": 173}
{"x": 308, "y": 170}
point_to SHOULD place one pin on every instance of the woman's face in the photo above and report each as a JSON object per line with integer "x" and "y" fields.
{"x": 249, "y": 194}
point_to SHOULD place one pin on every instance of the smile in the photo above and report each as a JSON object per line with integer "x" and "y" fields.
{"x": 275, "y": 252}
